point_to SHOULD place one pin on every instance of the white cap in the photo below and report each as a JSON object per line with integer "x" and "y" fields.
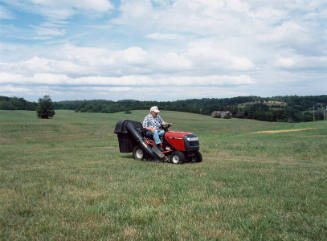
{"x": 154, "y": 109}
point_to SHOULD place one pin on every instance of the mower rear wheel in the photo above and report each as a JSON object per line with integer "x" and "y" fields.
{"x": 177, "y": 157}
{"x": 138, "y": 153}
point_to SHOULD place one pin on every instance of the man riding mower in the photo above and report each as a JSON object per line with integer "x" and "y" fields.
{"x": 172, "y": 146}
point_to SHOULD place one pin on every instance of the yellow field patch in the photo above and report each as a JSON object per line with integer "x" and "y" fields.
{"x": 4, "y": 140}
{"x": 130, "y": 231}
{"x": 284, "y": 131}
{"x": 154, "y": 202}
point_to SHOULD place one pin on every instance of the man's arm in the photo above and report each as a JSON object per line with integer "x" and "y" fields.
{"x": 150, "y": 129}
{"x": 164, "y": 123}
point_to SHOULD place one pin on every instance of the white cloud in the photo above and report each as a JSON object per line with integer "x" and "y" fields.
{"x": 208, "y": 54}
{"x": 172, "y": 61}
{"x": 11, "y": 89}
{"x": 287, "y": 32}
{"x": 285, "y": 62}
{"x": 136, "y": 9}
{"x": 133, "y": 55}
{"x": 236, "y": 46}
{"x": 190, "y": 16}
{"x": 96, "y": 5}
{"x": 60, "y": 9}
{"x": 268, "y": 15}
{"x": 237, "y": 5}
{"x": 127, "y": 80}
{"x": 300, "y": 62}
{"x": 119, "y": 93}
{"x": 71, "y": 60}
{"x": 43, "y": 65}
{"x": 211, "y": 80}
{"x": 4, "y": 13}
{"x": 161, "y": 36}
{"x": 49, "y": 30}
{"x": 271, "y": 22}
{"x": 55, "y": 13}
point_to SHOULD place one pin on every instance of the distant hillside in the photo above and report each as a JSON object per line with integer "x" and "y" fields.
{"x": 271, "y": 103}
{"x": 14, "y": 103}
{"x": 278, "y": 108}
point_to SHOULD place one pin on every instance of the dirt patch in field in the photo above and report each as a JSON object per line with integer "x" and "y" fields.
{"x": 6, "y": 141}
{"x": 283, "y": 131}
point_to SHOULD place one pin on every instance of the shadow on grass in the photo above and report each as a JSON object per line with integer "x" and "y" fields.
{"x": 130, "y": 157}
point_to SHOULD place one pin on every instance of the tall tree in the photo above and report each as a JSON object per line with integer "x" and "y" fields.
{"x": 45, "y": 108}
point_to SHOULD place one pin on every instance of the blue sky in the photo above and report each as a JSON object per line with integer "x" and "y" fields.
{"x": 162, "y": 49}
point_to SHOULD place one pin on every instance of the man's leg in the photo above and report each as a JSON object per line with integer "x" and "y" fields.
{"x": 148, "y": 134}
{"x": 156, "y": 137}
{"x": 161, "y": 133}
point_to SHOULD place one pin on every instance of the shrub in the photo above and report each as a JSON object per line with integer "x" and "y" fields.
{"x": 45, "y": 108}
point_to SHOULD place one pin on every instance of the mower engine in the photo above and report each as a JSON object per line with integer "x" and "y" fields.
{"x": 184, "y": 142}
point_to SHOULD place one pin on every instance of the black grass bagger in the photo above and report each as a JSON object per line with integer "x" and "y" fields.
{"x": 178, "y": 147}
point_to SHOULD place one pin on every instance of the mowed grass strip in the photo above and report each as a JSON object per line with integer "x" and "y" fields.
{"x": 65, "y": 179}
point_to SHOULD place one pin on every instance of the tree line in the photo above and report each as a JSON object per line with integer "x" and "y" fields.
{"x": 14, "y": 103}
{"x": 278, "y": 108}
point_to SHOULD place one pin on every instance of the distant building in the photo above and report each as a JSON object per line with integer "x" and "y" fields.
{"x": 221, "y": 114}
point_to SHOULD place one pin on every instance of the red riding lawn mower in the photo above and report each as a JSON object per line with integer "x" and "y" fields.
{"x": 178, "y": 147}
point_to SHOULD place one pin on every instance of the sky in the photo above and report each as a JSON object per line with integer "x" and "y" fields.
{"x": 162, "y": 49}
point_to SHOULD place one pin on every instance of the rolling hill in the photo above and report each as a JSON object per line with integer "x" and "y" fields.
{"x": 65, "y": 179}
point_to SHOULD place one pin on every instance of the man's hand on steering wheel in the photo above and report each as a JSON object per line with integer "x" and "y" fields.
{"x": 166, "y": 125}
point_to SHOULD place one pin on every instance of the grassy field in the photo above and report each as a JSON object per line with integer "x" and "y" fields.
{"x": 65, "y": 179}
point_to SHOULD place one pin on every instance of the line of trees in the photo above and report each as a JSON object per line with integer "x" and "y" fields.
{"x": 289, "y": 113}
{"x": 290, "y": 109}
{"x": 278, "y": 108}
{"x": 14, "y": 103}
{"x": 200, "y": 106}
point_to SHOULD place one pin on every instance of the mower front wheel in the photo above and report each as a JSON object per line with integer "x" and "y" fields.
{"x": 138, "y": 153}
{"x": 177, "y": 157}
{"x": 198, "y": 157}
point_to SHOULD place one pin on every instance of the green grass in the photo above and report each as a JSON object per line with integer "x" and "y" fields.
{"x": 65, "y": 179}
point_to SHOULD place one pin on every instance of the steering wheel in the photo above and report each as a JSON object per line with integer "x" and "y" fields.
{"x": 165, "y": 127}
